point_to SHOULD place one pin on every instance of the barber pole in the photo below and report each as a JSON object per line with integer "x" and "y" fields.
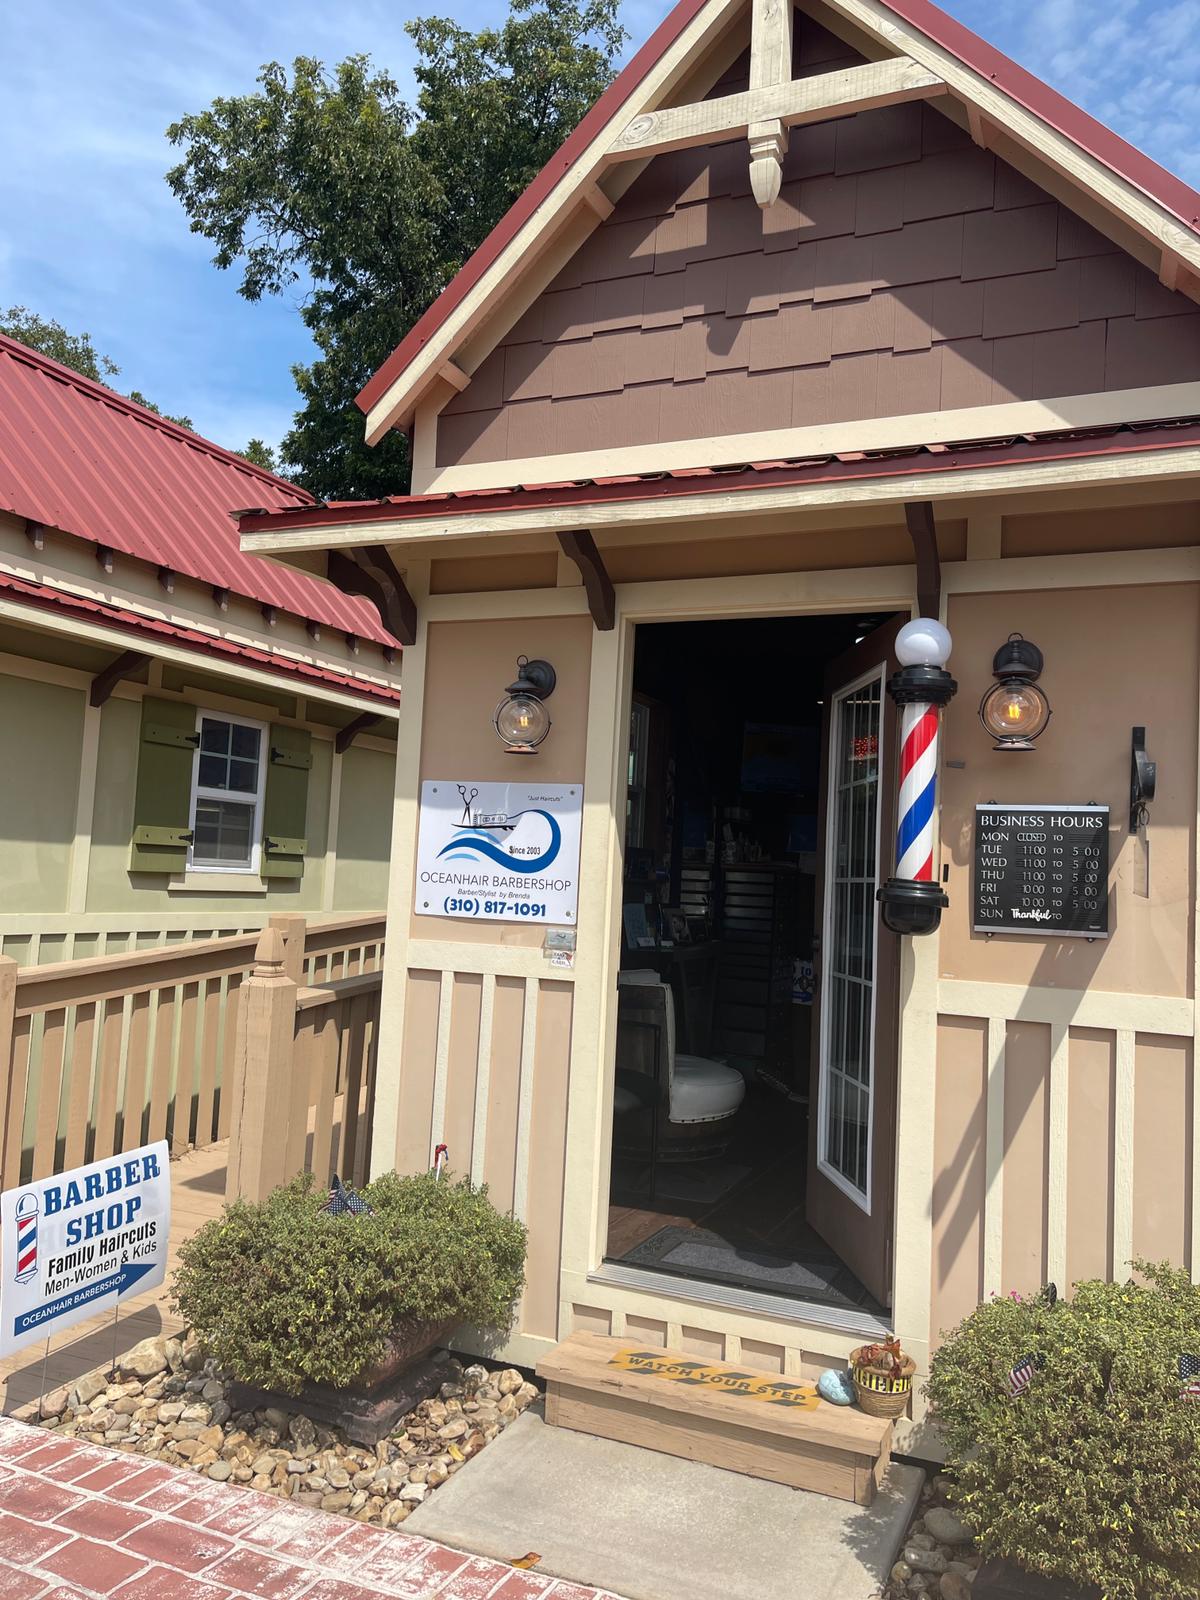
{"x": 912, "y": 900}
{"x": 918, "y": 788}
{"x": 27, "y": 1238}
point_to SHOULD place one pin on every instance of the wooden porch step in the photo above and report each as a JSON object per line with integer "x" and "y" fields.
{"x": 736, "y": 1417}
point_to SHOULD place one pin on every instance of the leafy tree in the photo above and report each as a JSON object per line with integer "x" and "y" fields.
{"x": 50, "y": 338}
{"x": 260, "y": 454}
{"x": 329, "y": 182}
{"x": 139, "y": 399}
{"x": 74, "y": 350}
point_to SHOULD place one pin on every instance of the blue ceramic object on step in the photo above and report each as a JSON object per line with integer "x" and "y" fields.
{"x": 837, "y": 1387}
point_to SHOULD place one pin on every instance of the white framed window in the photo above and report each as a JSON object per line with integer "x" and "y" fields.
{"x": 846, "y": 1107}
{"x": 229, "y": 772}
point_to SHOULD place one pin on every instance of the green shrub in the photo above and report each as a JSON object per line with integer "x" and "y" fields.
{"x": 1074, "y": 1479}
{"x": 280, "y": 1294}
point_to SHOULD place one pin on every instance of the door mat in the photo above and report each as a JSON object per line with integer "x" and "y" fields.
{"x": 696, "y": 1253}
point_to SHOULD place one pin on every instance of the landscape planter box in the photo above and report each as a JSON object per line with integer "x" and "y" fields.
{"x": 1003, "y": 1580}
{"x": 411, "y": 1370}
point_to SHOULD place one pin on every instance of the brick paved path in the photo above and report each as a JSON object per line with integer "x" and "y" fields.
{"x": 79, "y": 1521}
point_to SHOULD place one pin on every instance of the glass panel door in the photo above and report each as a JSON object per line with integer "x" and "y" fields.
{"x": 851, "y": 879}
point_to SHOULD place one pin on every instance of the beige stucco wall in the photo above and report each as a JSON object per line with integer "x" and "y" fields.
{"x": 486, "y": 1053}
{"x": 1063, "y": 1148}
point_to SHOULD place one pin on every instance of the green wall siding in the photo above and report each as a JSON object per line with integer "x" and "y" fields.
{"x": 42, "y": 725}
{"x": 364, "y": 829}
{"x": 42, "y": 728}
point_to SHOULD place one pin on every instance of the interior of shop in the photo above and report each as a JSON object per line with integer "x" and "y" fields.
{"x": 722, "y": 917}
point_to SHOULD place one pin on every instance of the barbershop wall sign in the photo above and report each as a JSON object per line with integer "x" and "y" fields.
{"x": 1041, "y": 870}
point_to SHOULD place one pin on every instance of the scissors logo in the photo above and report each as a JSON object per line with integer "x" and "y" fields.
{"x": 466, "y": 800}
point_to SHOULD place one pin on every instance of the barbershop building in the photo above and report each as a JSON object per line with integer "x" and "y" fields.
{"x": 825, "y": 319}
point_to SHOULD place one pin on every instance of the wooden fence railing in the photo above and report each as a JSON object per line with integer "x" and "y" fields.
{"x": 303, "y": 1086}
{"x": 107, "y": 1054}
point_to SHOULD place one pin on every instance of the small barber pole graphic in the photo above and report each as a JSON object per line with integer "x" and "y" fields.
{"x": 1189, "y": 1377}
{"x": 27, "y": 1238}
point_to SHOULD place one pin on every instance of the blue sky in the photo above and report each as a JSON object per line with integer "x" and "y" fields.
{"x": 90, "y": 233}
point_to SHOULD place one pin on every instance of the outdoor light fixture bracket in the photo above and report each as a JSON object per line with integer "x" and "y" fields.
{"x": 537, "y": 678}
{"x": 1143, "y": 780}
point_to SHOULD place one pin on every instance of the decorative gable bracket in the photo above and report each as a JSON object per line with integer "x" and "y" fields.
{"x": 774, "y": 103}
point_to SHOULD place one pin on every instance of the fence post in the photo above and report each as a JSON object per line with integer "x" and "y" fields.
{"x": 8, "y": 1009}
{"x": 293, "y": 927}
{"x": 262, "y": 1065}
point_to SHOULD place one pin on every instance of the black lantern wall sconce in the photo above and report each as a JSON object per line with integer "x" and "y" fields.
{"x": 521, "y": 720}
{"x": 1014, "y": 710}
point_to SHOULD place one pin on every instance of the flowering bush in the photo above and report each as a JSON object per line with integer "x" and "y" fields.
{"x": 1092, "y": 1473}
{"x": 282, "y": 1293}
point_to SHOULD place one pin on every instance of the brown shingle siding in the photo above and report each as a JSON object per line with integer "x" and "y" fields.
{"x": 902, "y": 270}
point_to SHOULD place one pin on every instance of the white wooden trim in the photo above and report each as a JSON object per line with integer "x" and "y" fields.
{"x": 1123, "y": 1115}
{"x": 232, "y": 667}
{"x": 529, "y": 1022}
{"x": 1056, "y": 1176}
{"x": 916, "y": 1117}
{"x": 401, "y": 875}
{"x": 85, "y": 807}
{"x": 562, "y": 602}
{"x": 329, "y": 876}
{"x": 441, "y": 1062}
{"x": 495, "y": 960}
{"x": 594, "y": 1018}
{"x": 13, "y": 666}
{"x": 993, "y": 1201}
{"x": 762, "y": 499}
{"x": 783, "y": 99}
{"x": 1077, "y": 1008}
{"x": 483, "y": 1076}
{"x": 1117, "y": 569}
{"x": 1109, "y": 407}
{"x": 23, "y": 562}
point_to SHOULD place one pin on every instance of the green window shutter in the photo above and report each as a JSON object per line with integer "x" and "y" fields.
{"x": 285, "y": 805}
{"x": 162, "y": 806}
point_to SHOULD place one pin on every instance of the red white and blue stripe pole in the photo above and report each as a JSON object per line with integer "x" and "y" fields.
{"x": 913, "y": 900}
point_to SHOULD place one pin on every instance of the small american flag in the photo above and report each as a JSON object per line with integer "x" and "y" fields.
{"x": 344, "y": 1202}
{"x": 1189, "y": 1377}
{"x": 1021, "y": 1375}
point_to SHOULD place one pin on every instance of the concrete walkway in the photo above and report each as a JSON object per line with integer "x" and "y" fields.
{"x": 654, "y": 1527}
{"x": 78, "y": 1521}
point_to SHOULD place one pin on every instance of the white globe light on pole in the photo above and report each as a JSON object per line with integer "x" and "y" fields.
{"x": 923, "y": 642}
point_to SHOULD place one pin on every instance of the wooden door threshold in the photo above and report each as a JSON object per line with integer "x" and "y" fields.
{"x": 731, "y": 1416}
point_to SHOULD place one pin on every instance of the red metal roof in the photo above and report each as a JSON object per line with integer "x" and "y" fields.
{"x": 974, "y": 52}
{"x": 79, "y": 457}
{"x": 44, "y": 596}
{"x": 932, "y": 459}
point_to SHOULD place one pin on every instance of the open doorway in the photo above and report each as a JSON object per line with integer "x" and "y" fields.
{"x": 754, "y": 1098}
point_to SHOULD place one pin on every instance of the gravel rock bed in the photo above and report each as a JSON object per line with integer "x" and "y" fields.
{"x": 166, "y": 1401}
{"x": 938, "y": 1559}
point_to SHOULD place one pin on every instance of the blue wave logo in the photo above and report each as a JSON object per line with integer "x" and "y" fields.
{"x": 472, "y": 844}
